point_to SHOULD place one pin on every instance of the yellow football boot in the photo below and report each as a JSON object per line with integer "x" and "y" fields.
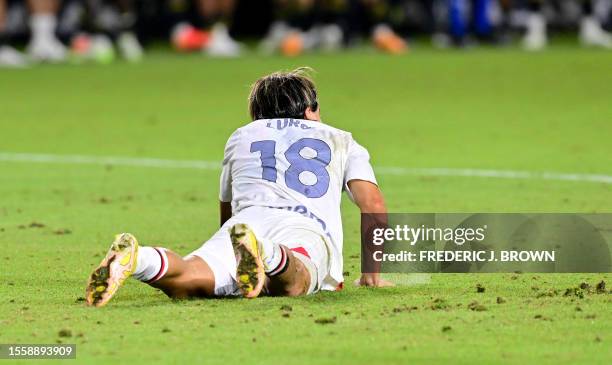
{"x": 118, "y": 265}
{"x": 250, "y": 268}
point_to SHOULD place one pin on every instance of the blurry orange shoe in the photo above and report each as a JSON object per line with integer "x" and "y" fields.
{"x": 187, "y": 38}
{"x": 80, "y": 45}
{"x": 387, "y": 41}
{"x": 292, "y": 45}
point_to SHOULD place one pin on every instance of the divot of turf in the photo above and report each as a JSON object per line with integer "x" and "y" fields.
{"x": 330, "y": 320}
{"x": 477, "y": 307}
{"x": 64, "y": 333}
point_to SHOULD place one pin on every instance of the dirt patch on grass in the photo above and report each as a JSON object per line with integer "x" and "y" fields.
{"x": 330, "y": 320}
{"x": 586, "y": 289}
{"x": 286, "y": 308}
{"x": 404, "y": 308}
{"x": 64, "y": 333}
{"x": 574, "y": 292}
{"x": 580, "y": 291}
{"x": 476, "y": 307}
{"x": 439, "y": 304}
{"x": 541, "y": 317}
{"x": 547, "y": 293}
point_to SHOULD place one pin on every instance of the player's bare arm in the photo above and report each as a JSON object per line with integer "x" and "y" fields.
{"x": 368, "y": 197}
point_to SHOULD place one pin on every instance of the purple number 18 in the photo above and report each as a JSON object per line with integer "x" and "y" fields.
{"x": 297, "y": 165}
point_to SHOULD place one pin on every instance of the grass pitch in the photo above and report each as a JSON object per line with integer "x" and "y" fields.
{"x": 502, "y": 110}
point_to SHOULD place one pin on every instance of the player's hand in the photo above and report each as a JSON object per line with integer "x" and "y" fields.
{"x": 372, "y": 280}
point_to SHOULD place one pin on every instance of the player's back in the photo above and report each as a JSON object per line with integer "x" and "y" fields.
{"x": 297, "y": 166}
{"x": 290, "y": 164}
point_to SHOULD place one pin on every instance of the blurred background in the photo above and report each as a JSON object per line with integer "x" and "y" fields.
{"x": 34, "y": 31}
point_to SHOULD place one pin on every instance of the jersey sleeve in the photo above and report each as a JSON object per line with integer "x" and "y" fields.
{"x": 358, "y": 166}
{"x": 225, "y": 188}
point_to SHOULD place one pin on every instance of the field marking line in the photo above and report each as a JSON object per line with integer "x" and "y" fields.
{"x": 382, "y": 170}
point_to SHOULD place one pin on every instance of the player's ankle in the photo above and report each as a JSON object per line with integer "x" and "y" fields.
{"x": 152, "y": 264}
{"x": 279, "y": 262}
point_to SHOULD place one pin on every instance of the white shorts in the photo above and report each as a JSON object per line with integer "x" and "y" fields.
{"x": 300, "y": 234}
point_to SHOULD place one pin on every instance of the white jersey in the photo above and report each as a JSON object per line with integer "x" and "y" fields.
{"x": 300, "y": 166}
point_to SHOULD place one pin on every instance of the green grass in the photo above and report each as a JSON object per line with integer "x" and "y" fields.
{"x": 491, "y": 109}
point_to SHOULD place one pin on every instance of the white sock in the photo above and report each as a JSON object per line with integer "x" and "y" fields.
{"x": 274, "y": 257}
{"x": 152, "y": 264}
{"x": 43, "y": 26}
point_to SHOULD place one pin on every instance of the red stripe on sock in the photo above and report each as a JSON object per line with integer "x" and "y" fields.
{"x": 161, "y": 269}
{"x": 281, "y": 265}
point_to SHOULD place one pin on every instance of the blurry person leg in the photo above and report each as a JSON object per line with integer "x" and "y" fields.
{"x": 383, "y": 36}
{"x": 463, "y": 24}
{"x": 108, "y": 21}
{"x": 127, "y": 42}
{"x": 433, "y": 27}
{"x": 217, "y": 14}
{"x": 117, "y": 19}
{"x": 9, "y": 56}
{"x": 278, "y": 29}
{"x": 91, "y": 26}
{"x": 289, "y": 31}
{"x": 535, "y": 37}
{"x": 189, "y": 277}
{"x": 504, "y": 26}
{"x": 71, "y": 22}
{"x": 331, "y": 24}
{"x": 455, "y": 31}
{"x": 591, "y": 32}
{"x": 185, "y": 25}
{"x": 44, "y": 45}
{"x": 457, "y": 22}
{"x": 481, "y": 21}
{"x": 156, "y": 266}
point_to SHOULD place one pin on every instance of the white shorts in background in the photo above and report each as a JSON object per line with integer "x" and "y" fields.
{"x": 300, "y": 234}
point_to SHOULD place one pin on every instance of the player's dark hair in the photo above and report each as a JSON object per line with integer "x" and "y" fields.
{"x": 283, "y": 95}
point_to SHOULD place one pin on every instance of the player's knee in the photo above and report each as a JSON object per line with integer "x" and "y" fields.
{"x": 300, "y": 285}
{"x": 297, "y": 291}
{"x": 175, "y": 291}
{"x": 289, "y": 291}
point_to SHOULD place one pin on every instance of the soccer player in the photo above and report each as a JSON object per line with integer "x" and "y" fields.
{"x": 303, "y": 25}
{"x": 44, "y": 45}
{"x": 281, "y": 231}
{"x": 591, "y": 32}
{"x": 214, "y": 15}
{"x": 9, "y": 56}
{"x": 377, "y": 15}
